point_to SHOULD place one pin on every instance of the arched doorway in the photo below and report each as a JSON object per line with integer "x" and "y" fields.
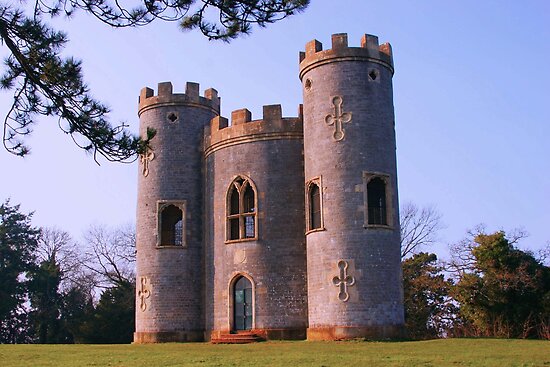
{"x": 242, "y": 304}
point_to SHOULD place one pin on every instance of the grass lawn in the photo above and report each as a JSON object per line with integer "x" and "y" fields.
{"x": 454, "y": 352}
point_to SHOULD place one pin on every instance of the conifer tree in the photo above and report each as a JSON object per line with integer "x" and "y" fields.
{"x": 428, "y": 307}
{"x": 46, "y": 302}
{"x": 18, "y": 242}
{"x": 46, "y": 83}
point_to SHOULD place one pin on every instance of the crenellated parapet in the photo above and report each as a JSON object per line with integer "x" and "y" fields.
{"x": 370, "y": 50}
{"x": 243, "y": 129}
{"x": 166, "y": 97}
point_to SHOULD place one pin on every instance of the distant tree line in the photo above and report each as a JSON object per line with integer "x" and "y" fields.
{"x": 53, "y": 290}
{"x": 489, "y": 288}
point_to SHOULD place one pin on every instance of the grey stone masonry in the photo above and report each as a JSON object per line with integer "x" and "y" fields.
{"x": 173, "y": 274}
{"x": 349, "y": 134}
{"x": 283, "y": 227}
{"x": 269, "y": 153}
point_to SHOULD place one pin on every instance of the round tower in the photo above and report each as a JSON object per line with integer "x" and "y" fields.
{"x": 352, "y": 225}
{"x": 254, "y": 233}
{"x": 169, "y": 298}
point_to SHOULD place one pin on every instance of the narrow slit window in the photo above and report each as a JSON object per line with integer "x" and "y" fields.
{"x": 315, "y": 207}
{"x": 376, "y": 201}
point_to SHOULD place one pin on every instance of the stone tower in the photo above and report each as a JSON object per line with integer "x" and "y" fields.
{"x": 352, "y": 220}
{"x": 169, "y": 299}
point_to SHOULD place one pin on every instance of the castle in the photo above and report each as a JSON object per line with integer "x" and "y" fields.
{"x": 287, "y": 227}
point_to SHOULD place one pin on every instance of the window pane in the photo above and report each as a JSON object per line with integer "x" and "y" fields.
{"x": 171, "y": 226}
{"x": 239, "y": 297}
{"x": 234, "y": 229}
{"x": 234, "y": 201}
{"x": 243, "y": 283}
{"x": 178, "y": 233}
{"x": 376, "y": 198}
{"x": 249, "y": 226}
{"x": 248, "y": 200}
{"x": 248, "y": 299}
{"x": 314, "y": 207}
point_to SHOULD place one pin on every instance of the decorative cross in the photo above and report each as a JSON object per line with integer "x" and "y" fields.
{"x": 343, "y": 281}
{"x": 145, "y": 158}
{"x": 338, "y": 118}
{"x": 143, "y": 293}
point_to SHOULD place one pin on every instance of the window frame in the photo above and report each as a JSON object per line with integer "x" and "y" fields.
{"x": 163, "y": 204}
{"x": 319, "y": 183}
{"x": 242, "y": 215}
{"x": 367, "y": 177}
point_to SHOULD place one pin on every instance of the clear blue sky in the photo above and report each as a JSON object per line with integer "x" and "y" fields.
{"x": 471, "y": 94}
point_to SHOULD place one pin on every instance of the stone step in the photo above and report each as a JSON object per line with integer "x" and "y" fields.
{"x": 237, "y": 338}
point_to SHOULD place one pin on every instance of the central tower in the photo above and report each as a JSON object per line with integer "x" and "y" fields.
{"x": 352, "y": 227}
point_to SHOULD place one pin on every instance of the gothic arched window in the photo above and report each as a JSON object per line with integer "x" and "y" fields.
{"x": 314, "y": 212}
{"x": 241, "y": 210}
{"x": 171, "y": 223}
{"x": 378, "y": 200}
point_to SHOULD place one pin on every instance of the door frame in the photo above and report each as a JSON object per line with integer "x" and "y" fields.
{"x": 231, "y": 298}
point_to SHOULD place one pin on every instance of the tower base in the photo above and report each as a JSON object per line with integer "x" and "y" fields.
{"x": 382, "y": 332}
{"x": 168, "y": 336}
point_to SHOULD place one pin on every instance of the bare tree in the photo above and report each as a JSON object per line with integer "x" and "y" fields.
{"x": 57, "y": 244}
{"x": 419, "y": 227}
{"x": 111, "y": 254}
{"x": 462, "y": 258}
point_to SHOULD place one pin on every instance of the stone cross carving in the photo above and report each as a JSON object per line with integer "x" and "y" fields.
{"x": 343, "y": 281}
{"x": 338, "y": 118}
{"x": 145, "y": 158}
{"x": 143, "y": 293}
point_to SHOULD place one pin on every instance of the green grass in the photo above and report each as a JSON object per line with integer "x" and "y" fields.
{"x": 454, "y": 352}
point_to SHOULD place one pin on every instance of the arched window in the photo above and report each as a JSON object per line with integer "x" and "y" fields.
{"x": 313, "y": 203}
{"x": 241, "y": 210}
{"x": 378, "y": 200}
{"x": 171, "y": 223}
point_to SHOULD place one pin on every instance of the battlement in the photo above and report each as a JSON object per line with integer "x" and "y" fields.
{"x": 370, "y": 50}
{"x": 165, "y": 96}
{"x": 244, "y": 130}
